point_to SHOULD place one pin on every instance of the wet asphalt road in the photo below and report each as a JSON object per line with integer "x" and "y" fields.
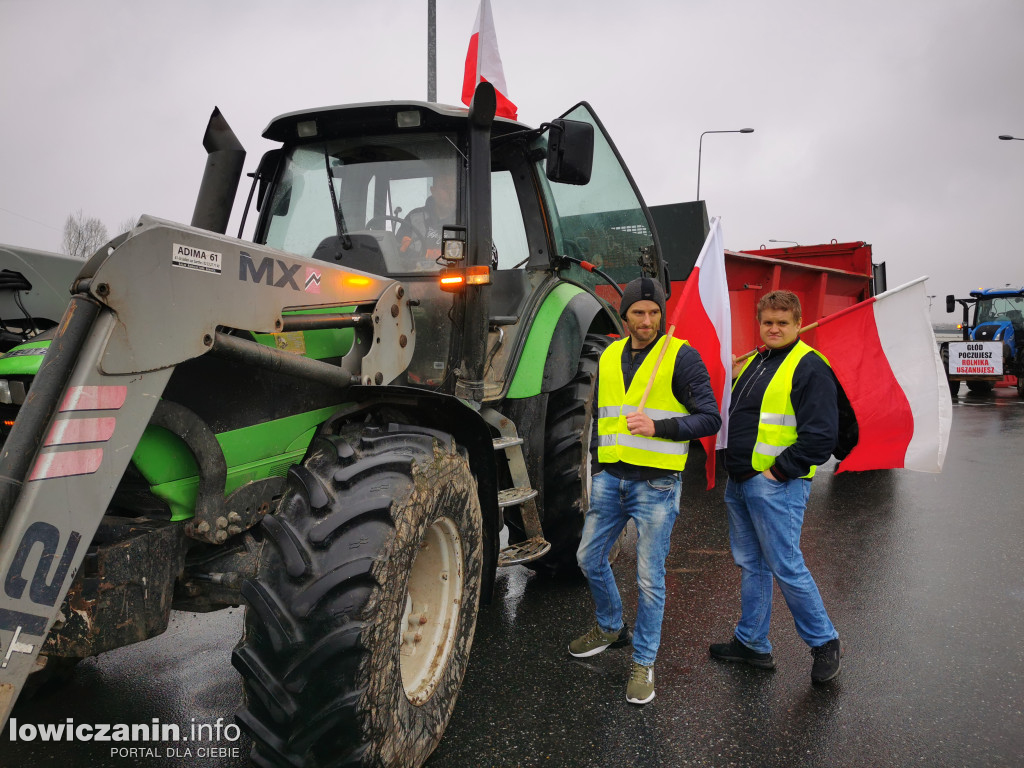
{"x": 923, "y": 575}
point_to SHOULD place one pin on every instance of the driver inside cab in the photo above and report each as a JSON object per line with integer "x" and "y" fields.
{"x": 420, "y": 234}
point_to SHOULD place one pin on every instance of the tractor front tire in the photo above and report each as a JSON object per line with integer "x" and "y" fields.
{"x": 980, "y": 387}
{"x": 361, "y": 616}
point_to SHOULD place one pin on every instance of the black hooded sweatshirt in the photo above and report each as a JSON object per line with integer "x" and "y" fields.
{"x": 815, "y": 404}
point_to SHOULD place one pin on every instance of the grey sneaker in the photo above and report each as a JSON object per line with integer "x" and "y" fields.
{"x": 640, "y": 688}
{"x": 596, "y": 640}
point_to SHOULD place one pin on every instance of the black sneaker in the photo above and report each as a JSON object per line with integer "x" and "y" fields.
{"x": 827, "y": 661}
{"x": 734, "y": 650}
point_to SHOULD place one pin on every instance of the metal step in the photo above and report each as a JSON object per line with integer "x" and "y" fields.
{"x": 501, "y": 443}
{"x": 511, "y": 497}
{"x": 523, "y": 552}
{"x": 522, "y": 495}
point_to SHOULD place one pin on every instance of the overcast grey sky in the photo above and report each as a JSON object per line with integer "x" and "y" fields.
{"x": 874, "y": 120}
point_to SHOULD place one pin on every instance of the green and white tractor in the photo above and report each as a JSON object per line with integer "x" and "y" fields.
{"x": 330, "y": 424}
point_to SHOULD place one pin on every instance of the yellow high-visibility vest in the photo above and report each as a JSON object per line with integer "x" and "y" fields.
{"x": 614, "y": 443}
{"x": 776, "y": 426}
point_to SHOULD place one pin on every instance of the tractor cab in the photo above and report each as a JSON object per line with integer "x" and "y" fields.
{"x": 388, "y": 189}
{"x": 999, "y": 316}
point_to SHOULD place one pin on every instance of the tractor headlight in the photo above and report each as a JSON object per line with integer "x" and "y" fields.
{"x": 409, "y": 118}
{"x": 453, "y": 243}
{"x": 5, "y": 392}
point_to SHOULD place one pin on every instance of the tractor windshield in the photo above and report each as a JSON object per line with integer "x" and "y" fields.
{"x": 998, "y": 309}
{"x": 374, "y": 203}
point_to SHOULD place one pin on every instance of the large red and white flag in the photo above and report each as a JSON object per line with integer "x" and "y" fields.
{"x": 703, "y": 318}
{"x": 484, "y": 64}
{"x": 883, "y": 352}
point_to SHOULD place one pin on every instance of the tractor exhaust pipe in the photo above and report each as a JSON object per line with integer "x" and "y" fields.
{"x": 220, "y": 179}
{"x": 470, "y": 385}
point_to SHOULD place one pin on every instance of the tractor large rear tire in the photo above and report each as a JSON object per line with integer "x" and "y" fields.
{"x": 567, "y": 460}
{"x": 361, "y": 617}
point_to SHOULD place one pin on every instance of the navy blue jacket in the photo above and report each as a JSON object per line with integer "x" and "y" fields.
{"x": 817, "y": 417}
{"x": 690, "y": 386}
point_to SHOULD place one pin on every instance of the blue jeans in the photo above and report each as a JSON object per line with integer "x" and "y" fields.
{"x": 765, "y": 518}
{"x": 653, "y": 505}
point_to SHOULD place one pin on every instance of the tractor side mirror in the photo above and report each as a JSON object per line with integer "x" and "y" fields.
{"x": 950, "y": 303}
{"x": 570, "y": 152}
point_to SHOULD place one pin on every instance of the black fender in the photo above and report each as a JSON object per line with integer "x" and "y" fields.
{"x": 582, "y": 315}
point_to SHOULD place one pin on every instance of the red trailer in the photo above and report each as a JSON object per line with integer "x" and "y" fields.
{"x": 826, "y": 277}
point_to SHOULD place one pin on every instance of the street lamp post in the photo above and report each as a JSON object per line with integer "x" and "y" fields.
{"x": 1006, "y": 137}
{"x": 700, "y": 150}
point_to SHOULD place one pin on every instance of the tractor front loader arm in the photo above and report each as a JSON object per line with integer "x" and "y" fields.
{"x": 165, "y": 294}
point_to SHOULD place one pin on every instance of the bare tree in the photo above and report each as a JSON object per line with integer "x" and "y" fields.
{"x": 82, "y": 236}
{"x": 127, "y": 224}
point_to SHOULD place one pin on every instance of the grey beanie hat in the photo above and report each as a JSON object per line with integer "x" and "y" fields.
{"x": 642, "y": 289}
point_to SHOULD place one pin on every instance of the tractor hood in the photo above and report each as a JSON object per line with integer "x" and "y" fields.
{"x": 994, "y": 331}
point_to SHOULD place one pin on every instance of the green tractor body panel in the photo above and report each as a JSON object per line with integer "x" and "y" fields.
{"x": 318, "y": 345}
{"x": 254, "y": 453}
{"x": 23, "y": 360}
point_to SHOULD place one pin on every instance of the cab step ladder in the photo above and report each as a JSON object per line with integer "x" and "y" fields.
{"x": 522, "y": 495}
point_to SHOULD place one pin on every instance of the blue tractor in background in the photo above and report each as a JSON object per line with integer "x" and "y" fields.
{"x": 993, "y": 346}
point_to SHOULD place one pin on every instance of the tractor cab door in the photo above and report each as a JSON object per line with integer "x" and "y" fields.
{"x": 605, "y": 221}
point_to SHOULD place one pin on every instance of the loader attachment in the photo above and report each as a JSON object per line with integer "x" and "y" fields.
{"x": 164, "y": 295}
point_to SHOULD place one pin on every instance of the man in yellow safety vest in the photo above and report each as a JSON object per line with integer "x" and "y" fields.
{"x": 783, "y": 422}
{"x": 637, "y": 466}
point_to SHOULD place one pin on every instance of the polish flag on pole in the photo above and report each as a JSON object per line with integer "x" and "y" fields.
{"x": 484, "y": 64}
{"x": 883, "y": 352}
{"x": 703, "y": 315}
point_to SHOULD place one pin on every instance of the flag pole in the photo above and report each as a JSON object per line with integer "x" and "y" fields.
{"x": 654, "y": 373}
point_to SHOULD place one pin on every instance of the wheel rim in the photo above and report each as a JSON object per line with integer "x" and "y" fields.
{"x": 432, "y": 607}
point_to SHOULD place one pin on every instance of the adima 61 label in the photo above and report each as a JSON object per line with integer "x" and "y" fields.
{"x": 188, "y": 257}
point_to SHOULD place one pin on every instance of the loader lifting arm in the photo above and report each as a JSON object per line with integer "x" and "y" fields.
{"x": 164, "y": 295}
